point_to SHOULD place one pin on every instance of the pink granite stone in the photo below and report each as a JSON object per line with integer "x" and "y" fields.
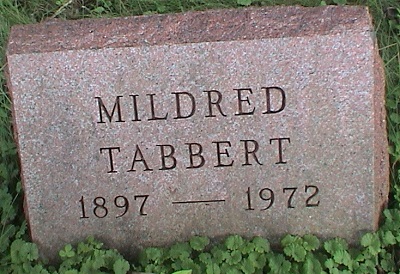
{"x": 147, "y": 130}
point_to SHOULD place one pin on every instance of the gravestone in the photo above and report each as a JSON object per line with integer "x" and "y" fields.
{"x": 144, "y": 131}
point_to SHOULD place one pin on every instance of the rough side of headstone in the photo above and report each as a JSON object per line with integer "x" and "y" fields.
{"x": 143, "y": 131}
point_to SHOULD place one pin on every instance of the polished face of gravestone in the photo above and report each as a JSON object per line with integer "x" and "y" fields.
{"x": 147, "y": 130}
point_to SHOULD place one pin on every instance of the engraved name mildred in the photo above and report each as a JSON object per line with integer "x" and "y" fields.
{"x": 212, "y": 102}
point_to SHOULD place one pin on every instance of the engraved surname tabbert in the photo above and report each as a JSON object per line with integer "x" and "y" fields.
{"x": 220, "y": 156}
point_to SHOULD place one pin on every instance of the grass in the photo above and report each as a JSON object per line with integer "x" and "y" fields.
{"x": 17, "y": 253}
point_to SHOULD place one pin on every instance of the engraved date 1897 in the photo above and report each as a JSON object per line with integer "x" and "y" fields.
{"x": 101, "y": 206}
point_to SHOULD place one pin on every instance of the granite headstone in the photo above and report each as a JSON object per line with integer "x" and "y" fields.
{"x": 144, "y": 131}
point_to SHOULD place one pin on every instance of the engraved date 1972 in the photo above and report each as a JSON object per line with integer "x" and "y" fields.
{"x": 267, "y": 196}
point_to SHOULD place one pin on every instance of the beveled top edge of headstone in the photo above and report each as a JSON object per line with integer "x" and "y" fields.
{"x": 189, "y": 27}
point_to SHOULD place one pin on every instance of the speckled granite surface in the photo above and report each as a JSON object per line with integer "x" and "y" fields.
{"x": 147, "y": 130}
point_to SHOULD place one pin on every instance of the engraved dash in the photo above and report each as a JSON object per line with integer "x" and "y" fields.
{"x": 199, "y": 201}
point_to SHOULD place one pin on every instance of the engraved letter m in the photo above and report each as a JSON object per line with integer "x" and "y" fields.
{"x": 103, "y": 109}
